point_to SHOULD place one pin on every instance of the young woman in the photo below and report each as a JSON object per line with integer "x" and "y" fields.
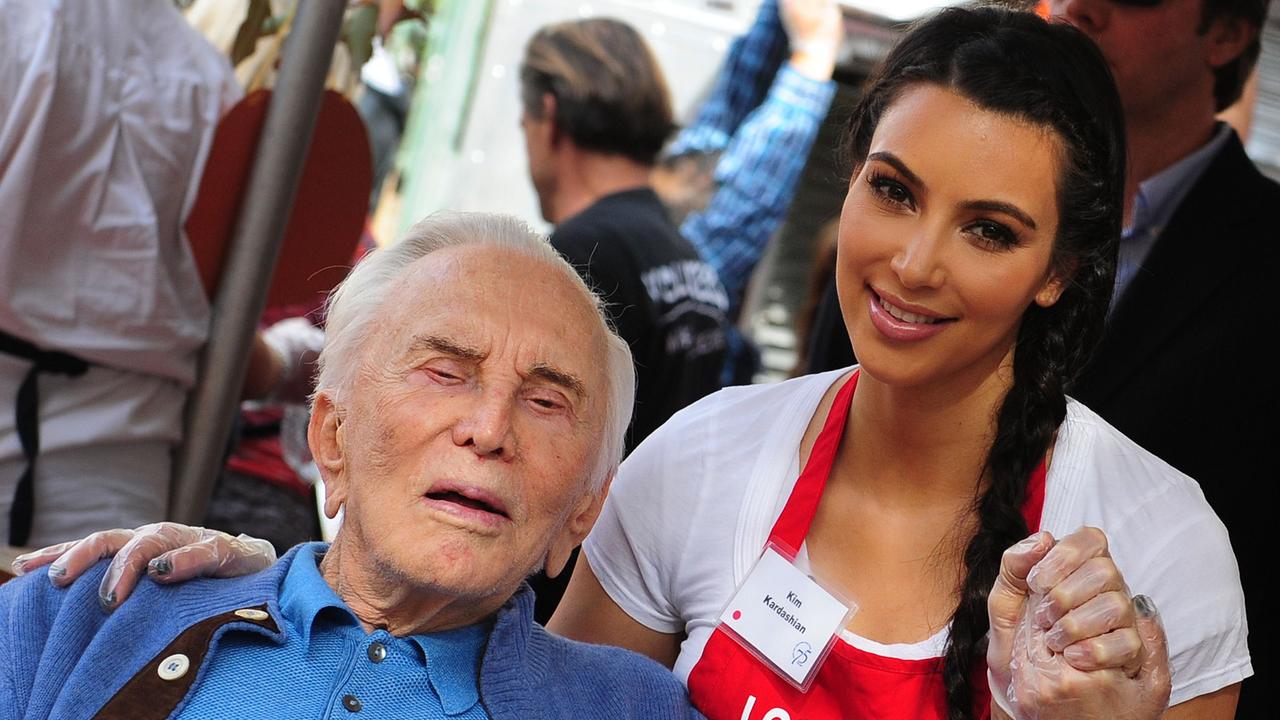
{"x": 976, "y": 257}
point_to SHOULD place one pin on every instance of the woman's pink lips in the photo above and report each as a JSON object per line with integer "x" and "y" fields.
{"x": 895, "y": 329}
{"x": 901, "y": 304}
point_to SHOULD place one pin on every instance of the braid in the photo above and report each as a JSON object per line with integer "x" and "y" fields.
{"x": 1029, "y": 416}
{"x": 1050, "y": 75}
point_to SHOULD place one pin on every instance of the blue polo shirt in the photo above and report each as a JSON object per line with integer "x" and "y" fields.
{"x": 329, "y": 667}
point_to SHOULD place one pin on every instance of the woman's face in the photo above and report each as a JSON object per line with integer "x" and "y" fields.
{"x": 946, "y": 238}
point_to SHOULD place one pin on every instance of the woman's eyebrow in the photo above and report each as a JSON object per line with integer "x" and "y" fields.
{"x": 1001, "y": 207}
{"x": 896, "y": 163}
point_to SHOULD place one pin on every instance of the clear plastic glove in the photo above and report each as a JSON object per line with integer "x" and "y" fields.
{"x": 1067, "y": 641}
{"x": 168, "y": 552}
{"x": 815, "y": 29}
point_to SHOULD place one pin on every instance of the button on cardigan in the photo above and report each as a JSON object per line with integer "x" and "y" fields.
{"x": 62, "y": 656}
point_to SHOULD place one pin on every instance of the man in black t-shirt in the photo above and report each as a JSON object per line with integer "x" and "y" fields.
{"x": 596, "y": 113}
{"x": 664, "y": 300}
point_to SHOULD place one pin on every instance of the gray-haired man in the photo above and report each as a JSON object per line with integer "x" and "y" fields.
{"x": 469, "y": 413}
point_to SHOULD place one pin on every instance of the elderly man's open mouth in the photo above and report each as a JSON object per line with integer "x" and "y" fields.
{"x": 471, "y": 504}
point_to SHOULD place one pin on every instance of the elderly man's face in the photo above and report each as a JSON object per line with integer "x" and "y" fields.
{"x": 463, "y": 454}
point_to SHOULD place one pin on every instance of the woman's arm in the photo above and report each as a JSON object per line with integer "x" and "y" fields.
{"x": 588, "y": 614}
{"x": 1217, "y": 705}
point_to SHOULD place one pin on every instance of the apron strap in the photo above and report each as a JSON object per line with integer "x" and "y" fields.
{"x": 793, "y": 524}
{"x": 27, "y": 422}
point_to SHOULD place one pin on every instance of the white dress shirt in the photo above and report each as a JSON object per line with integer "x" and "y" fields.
{"x": 107, "y": 111}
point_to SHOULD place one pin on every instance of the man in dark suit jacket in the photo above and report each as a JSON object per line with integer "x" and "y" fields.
{"x": 1183, "y": 373}
{"x": 1182, "y": 369}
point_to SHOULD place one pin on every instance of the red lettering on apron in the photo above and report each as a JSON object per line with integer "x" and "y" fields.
{"x": 729, "y": 683}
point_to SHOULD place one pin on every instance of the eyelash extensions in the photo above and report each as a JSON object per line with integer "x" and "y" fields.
{"x": 988, "y": 234}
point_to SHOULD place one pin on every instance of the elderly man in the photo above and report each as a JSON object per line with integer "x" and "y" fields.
{"x": 468, "y": 420}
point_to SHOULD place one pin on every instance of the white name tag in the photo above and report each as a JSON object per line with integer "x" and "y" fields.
{"x": 785, "y": 618}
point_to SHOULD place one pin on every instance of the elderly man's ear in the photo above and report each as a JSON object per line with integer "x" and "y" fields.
{"x": 325, "y": 436}
{"x": 576, "y": 528}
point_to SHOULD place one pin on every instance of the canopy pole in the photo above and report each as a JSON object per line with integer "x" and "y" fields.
{"x": 251, "y": 259}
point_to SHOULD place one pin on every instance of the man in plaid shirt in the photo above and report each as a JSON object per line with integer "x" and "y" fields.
{"x": 761, "y": 119}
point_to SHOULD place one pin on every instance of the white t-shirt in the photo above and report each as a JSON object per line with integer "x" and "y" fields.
{"x": 693, "y": 505}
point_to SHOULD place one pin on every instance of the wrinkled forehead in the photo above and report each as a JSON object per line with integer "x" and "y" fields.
{"x": 505, "y": 302}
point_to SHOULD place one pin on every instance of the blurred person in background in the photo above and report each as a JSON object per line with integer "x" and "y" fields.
{"x": 821, "y": 274}
{"x": 756, "y": 129}
{"x": 266, "y": 485}
{"x": 596, "y": 112}
{"x": 1183, "y": 369}
{"x": 107, "y": 110}
{"x": 386, "y": 86}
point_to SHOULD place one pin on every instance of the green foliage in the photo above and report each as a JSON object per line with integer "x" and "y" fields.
{"x": 358, "y": 29}
{"x": 251, "y": 29}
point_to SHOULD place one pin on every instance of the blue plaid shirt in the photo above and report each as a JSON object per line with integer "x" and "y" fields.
{"x": 764, "y": 117}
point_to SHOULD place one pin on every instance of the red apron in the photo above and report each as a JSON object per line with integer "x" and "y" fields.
{"x": 729, "y": 683}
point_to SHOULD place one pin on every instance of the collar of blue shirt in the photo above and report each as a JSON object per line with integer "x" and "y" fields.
{"x": 452, "y": 658}
{"x": 1160, "y": 194}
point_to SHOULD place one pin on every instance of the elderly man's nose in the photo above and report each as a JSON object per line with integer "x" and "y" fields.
{"x": 486, "y": 429}
{"x": 1091, "y": 16}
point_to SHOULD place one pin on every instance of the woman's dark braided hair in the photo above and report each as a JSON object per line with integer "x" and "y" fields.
{"x": 1052, "y": 76}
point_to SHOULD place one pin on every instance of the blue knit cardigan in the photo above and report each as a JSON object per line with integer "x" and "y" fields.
{"x": 62, "y": 656}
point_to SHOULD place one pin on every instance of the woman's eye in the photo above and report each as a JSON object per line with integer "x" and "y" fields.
{"x": 891, "y": 191}
{"x": 993, "y": 235}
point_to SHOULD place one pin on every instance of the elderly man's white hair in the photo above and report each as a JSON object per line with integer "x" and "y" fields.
{"x": 355, "y": 305}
